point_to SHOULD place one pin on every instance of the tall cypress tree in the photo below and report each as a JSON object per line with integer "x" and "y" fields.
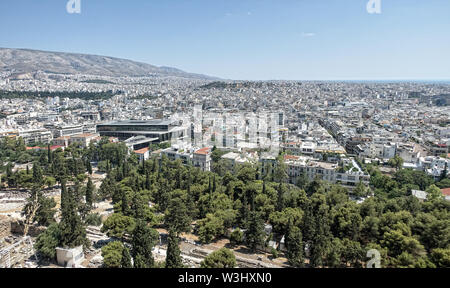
{"x": 49, "y": 154}
{"x": 125, "y": 207}
{"x": 124, "y": 169}
{"x": 155, "y": 165}
{"x": 209, "y": 185}
{"x": 73, "y": 233}
{"x": 137, "y": 206}
{"x": 189, "y": 182}
{"x": 64, "y": 196}
{"x": 10, "y": 177}
{"x": 280, "y": 197}
{"x": 89, "y": 167}
{"x": 317, "y": 228}
{"x": 294, "y": 243}
{"x": 143, "y": 240}
{"x": 147, "y": 181}
{"x": 89, "y": 194}
{"x": 244, "y": 212}
{"x": 37, "y": 174}
{"x": 173, "y": 258}
{"x": 255, "y": 231}
{"x": 75, "y": 166}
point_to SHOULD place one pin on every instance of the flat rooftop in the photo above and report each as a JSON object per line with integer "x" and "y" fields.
{"x": 138, "y": 122}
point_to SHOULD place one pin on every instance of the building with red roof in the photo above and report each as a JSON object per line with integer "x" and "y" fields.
{"x": 143, "y": 154}
{"x": 446, "y": 191}
{"x": 202, "y": 159}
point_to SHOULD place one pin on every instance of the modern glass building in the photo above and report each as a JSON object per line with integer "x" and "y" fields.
{"x": 164, "y": 130}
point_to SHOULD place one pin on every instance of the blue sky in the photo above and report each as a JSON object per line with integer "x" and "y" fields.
{"x": 246, "y": 39}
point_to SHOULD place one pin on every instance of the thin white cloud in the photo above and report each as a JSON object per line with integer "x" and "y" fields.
{"x": 308, "y": 34}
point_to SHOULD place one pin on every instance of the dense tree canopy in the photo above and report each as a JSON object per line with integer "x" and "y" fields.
{"x": 321, "y": 225}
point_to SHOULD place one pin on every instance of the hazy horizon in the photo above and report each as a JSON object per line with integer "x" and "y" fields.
{"x": 246, "y": 40}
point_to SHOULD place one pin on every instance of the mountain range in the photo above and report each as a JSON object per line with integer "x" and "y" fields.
{"x": 31, "y": 61}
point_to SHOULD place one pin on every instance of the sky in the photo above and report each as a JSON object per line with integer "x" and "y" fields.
{"x": 246, "y": 39}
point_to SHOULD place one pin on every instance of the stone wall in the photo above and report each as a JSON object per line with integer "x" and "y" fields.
{"x": 5, "y": 226}
{"x": 17, "y": 228}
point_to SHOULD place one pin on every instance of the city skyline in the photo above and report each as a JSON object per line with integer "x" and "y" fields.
{"x": 245, "y": 40}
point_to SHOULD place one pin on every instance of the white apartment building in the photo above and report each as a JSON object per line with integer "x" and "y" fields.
{"x": 70, "y": 130}
{"x": 84, "y": 139}
{"x": 202, "y": 159}
{"x": 433, "y": 165}
{"x": 174, "y": 153}
{"x": 36, "y": 136}
{"x": 326, "y": 171}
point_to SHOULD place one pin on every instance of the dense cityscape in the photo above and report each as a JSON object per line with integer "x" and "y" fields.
{"x": 233, "y": 167}
{"x": 224, "y": 143}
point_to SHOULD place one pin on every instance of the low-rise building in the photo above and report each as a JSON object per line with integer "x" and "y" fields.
{"x": 36, "y": 136}
{"x": 143, "y": 154}
{"x": 84, "y": 139}
{"x": 62, "y": 141}
{"x": 331, "y": 172}
{"x": 202, "y": 159}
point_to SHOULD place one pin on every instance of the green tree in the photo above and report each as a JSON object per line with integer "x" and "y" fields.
{"x": 280, "y": 174}
{"x": 73, "y": 232}
{"x": 294, "y": 243}
{"x": 173, "y": 258}
{"x": 396, "y": 162}
{"x": 433, "y": 193}
{"x": 223, "y": 258}
{"x": 398, "y": 240}
{"x": 89, "y": 167}
{"x": 46, "y": 212}
{"x": 280, "y": 220}
{"x": 177, "y": 216}
{"x": 38, "y": 178}
{"x": 209, "y": 228}
{"x": 126, "y": 258}
{"x": 255, "y": 235}
{"x": 352, "y": 253}
{"x": 347, "y": 221}
{"x": 445, "y": 183}
{"x": 143, "y": 241}
{"x": 302, "y": 181}
{"x": 90, "y": 189}
{"x": 316, "y": 225}
{"x": 441, "y": 257}
{"x": 47, "y": 242}
{"x": 112, "y": 254}
{"x": 118, "y": 225}
{"x": 236, "y": 237}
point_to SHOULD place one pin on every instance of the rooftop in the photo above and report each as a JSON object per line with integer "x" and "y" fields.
{"x": 138, "y": 122}
{"x": 142, "y": 151}
{"x": 86, "y": 135}
{"x": 446, "y": 191}
{"x": 203, "y": 151}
